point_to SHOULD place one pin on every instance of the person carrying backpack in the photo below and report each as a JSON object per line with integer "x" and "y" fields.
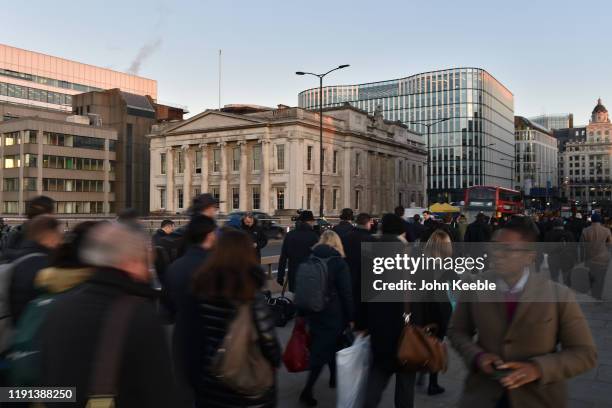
{"x": 67, "y": 271}
{"x": 324, "y": 295}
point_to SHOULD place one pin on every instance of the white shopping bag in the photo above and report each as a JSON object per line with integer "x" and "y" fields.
{"x": 353, "y": 364}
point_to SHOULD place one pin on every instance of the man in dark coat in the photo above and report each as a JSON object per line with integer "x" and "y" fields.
{"x": 296, "y": 248}
{"x": 408, "y": 226}
{"x": 250, "y": 225}
{"x": 479, "y": 230}
{"x": 41, "y": 205}
{"x": 576, "y": 225}
{"x": 166, "y": 228}
{"x": 200, "y": 239}
{"x": 417, "y": 227}
{"x": 42, "y": 237}
{"x": 345, "y": 226}
{"x": 561, "y": 252}
{"x": 73, "y": 328}
{"x": 352, "y": 249}
{"x": 384, "y": 323}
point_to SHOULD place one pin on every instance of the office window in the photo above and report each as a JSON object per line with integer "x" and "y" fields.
{"x": 180, "y": 198}
{"x": 256, "y": 198}
{"x": 10, "y": 207}
{"x": 309, "y": 198}
{"x": 12, "y": 138}
{"x": 236, "y": 159}
{"x": 162, "y": 163}
{"x": 357, "y": 164}
{"x": 309, "y": 158}
{"x": 162, "y": 198}
{"x": 30, "y": 160}
{"x": 357, "y": 199}
{"x": 280, "y": 198}
{"x": 180, "y": 165}
{"x": 29, "y": 184}
{"x": 257, "y": 158}
{"x": 216, "y": 163}
{"x": 235, "y": 198}
{"x": 280, "y": 157}
{"x": 11, "y": 162}
{"x": 10, "y": 184}
{"x": 335, "y": 199}
{"x": 335, "y": 162}
{"x": 198, "y": 161}
{"x": 30, "y": 136}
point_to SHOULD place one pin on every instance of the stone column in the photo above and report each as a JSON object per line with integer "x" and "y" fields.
{"x": 106, "y": 167}
{"x": 204, "y": 174}
{"x": 244, "y": 175}
{"x": 186, "y": 175}
{"x": 346, "y": 178}
{"x": 39, "y": 174}
{"x": 21, "y": 203}
{"x": 265, "y": 175}
{"x": 170, "y": 180}
{"x": 224, "y": 173}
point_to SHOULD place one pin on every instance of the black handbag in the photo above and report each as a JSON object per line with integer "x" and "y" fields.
{"x": 282, "y": 307}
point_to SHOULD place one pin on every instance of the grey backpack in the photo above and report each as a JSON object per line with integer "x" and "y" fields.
{"x": 312, "y": 289}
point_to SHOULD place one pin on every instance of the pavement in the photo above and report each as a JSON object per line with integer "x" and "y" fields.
{"x": 590, "y": 390}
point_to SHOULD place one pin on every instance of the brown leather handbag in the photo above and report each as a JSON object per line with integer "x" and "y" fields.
{"x": 419, "y": 349}
{"x": 239, "y": 362}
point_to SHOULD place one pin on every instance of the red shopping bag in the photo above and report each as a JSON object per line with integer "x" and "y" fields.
{"x": 296, "y": 356}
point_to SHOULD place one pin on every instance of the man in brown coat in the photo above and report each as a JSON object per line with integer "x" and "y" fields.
{"x": 597, "y": 239}
{"x": 531, "y": 335}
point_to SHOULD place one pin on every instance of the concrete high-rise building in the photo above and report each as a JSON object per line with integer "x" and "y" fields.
{"x": 47, "y": 82}
{"x": 555, "y": 121}
{"x": 69, "y": 160}
{"x": 536, "y": 162}
{"x": 132, "y": 116}
{"x": 467, "y": 148}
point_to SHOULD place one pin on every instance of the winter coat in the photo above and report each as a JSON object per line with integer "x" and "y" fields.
{"x": 478, "y": 232}
{"x": 257, "y": 235}
{"x": 296, "y": 248}
{"x": 22, "y": 289}
{"x": 343, "y": 228}
{"x": 214, "y": 317}
{"x": 73, "y": 328}
{"x": 327, "y": 326}
{"x": 352, "y": 249}
{"x": 187, "y": 333}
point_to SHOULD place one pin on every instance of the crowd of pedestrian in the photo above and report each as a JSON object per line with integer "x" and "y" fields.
{"x": 180, "y": 318}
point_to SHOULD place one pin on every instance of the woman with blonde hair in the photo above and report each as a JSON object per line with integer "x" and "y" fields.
{"x": 327, "y": 326}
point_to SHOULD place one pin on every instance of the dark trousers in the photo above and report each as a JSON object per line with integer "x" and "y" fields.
{"x": 597, "y": 275}
{"x": 378, "y": 378}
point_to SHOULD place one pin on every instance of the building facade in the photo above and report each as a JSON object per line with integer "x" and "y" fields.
{"x": 586, "y": 162}
{"x": 467, "y": 148}
{"x": 69, "y": 161}
{"x": 132, "y": 116}
{"x": 268, "y": 160}
{"x": 536, "y": 162}
{"x": 35, "y": 79}
{"x": 555, "y": 121}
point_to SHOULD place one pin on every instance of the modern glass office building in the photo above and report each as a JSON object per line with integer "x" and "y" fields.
{"x": 474, "y": 146}
{"x": 556, "y": 121}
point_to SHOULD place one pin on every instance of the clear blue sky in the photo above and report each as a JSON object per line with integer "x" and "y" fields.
{"x": 555, "y": 56}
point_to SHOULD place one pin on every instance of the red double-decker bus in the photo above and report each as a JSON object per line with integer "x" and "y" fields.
{"x": 493, "y": 201}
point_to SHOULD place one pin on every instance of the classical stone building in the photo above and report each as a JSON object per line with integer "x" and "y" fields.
{"x": 586, "y": 162}
{"x": 255, "y": 158}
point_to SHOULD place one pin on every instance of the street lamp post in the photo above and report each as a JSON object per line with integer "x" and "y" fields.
{"x": 321, "y": 76}
{"x": 428, "y": 124}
